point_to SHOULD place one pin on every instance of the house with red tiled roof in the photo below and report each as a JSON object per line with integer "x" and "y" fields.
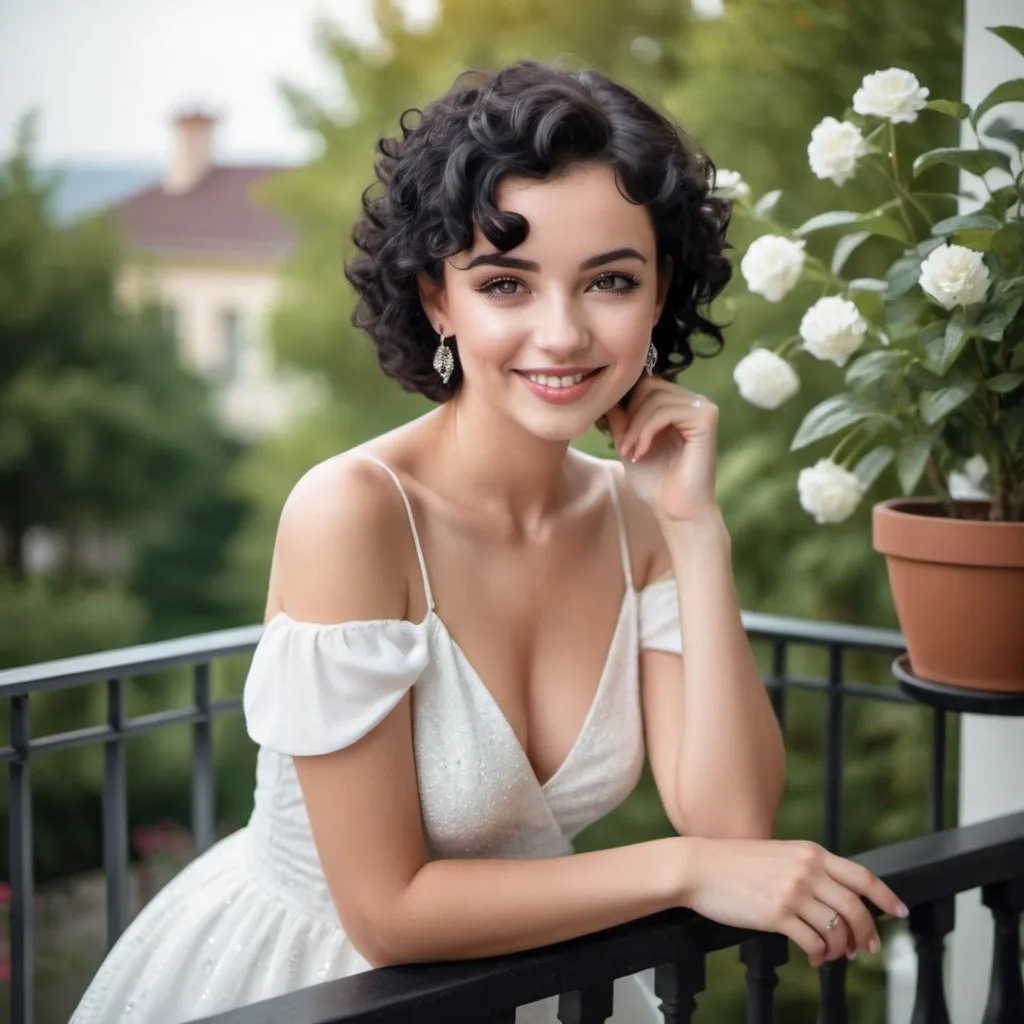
{"x": 203, "y": 246}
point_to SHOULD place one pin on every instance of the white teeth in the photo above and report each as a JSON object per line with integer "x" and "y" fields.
{"x": 547, "y": 381}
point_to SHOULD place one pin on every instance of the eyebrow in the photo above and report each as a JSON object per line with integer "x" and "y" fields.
{"x": 500, "y": 259}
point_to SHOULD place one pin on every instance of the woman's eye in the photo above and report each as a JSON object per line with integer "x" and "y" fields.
{"x": 502, "y": 287}
{"x": 615, "y": 283}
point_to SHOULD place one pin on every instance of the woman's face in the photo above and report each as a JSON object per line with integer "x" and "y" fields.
{"x": 555, "y": 331}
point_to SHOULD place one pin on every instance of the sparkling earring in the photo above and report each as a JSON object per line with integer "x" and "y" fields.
{"x": 444, "y": 361}
{"x": 652, "y": 359}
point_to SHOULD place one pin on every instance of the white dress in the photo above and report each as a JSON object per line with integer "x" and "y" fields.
{"x": 252, "y": 918}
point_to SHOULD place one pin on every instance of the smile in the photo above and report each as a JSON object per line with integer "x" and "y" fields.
{"x": 561, "y": 387}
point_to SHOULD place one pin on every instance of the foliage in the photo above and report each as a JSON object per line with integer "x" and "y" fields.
{"x": 103, "y": 434}
{"x": 939, "y": 373}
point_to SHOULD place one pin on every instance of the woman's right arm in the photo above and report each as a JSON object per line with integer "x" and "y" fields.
{"x": 344, "y": 554}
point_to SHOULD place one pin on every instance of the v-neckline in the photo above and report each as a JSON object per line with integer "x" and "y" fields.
{"x": 602, "y": 685}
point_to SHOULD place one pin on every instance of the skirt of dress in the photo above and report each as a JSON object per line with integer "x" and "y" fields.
{"x": 216, "y": 938}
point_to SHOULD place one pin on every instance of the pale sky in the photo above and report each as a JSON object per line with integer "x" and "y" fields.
{"x": 106, "y": 75}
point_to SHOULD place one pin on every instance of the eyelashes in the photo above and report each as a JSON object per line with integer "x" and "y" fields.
{"x": 491, "y": 288}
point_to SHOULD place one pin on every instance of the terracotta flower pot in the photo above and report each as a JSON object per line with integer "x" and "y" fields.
{"x": 958, "y": 586}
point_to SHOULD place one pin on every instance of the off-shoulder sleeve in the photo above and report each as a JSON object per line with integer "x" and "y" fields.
{"x": 312, "y": 688}
{"x": 659, "y": 618}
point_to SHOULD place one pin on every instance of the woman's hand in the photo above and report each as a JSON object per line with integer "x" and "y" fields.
{"x": 667, "y": 438}
{"x": 795, "y": 888}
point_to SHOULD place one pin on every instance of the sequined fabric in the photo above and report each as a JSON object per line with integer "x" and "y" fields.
{"x": 252, "y": 917}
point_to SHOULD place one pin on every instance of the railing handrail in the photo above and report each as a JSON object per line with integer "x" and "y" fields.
{"x": 921, "y": 870}
{"x": 201, "y": 647}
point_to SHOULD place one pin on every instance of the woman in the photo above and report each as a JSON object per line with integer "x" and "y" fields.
{"x": 474, "y": 633}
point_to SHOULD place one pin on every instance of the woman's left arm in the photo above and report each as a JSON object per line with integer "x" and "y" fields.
{"x": 715, "y": 747}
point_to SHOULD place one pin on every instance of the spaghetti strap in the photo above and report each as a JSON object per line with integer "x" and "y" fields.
{"x": 620, "y": 522}
{"x": 427, "y": 593}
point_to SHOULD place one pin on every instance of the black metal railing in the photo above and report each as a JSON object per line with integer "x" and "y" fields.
{"x": 582, "y": 971}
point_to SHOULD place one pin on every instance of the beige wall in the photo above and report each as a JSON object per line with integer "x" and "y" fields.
{"x": 254, "y": 399}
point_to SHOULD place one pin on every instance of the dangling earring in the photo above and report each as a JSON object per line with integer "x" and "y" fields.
{"x": 444, "y": 361}
{"x": 652, "y": 359}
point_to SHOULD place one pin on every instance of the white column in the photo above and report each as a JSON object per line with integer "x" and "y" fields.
{"x": 991, "y": 749}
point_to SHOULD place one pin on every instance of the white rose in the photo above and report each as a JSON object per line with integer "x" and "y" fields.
{"x": 894, "y": 95}
{"x": 834, "y": 150}
{"x": 833, "y": 329}
{"x": 730, "y": 184}
{"x": 828, "y": 492}
{"x": 764, "y": 379}
{"x": 967, "y": 485}
{"x": 954, "y": 275}
{"x": 772, "y": 266}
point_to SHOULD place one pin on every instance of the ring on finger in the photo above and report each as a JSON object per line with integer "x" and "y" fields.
{"x": 832, "y": 922}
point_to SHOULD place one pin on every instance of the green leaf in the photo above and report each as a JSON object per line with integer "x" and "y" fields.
{"x": 1006, "y": 92}
{"x": 1008, "y": 245}
{"x": 767, "y": 203}
{"x": 966, "y": 220}
{"x": 830, "y": 219}
{"x": 873, "y": 366}
{"x": 884, "y": 226}
{"x": 974, "y": 161}
{"x": 1011, "y": 423}
{"x": 1004, "y": 383}
{"x": 1012, "y": 34}
{"x": 831, "y": 416}
{"x": 996, "y": 317}
{"x": 956, "y": 336}
{"x": 979, "y": 239}
{"x": 912, "y": 458}
{"x": 870, "y": 467}
{"x": 903, "y": 275}
{"x": 845, "y": 248}
{"x": 935, "y": 405}
{"x": 867, "y": 284}
{"x": 951, "y": 108}
{"x": 1002, "y": 199}
{"x": 1001, "y": 128}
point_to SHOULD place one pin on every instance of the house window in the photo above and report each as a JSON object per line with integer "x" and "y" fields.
{"x": 233, "y": 345}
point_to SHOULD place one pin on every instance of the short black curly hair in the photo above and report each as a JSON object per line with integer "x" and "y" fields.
{"x": 532, "y": 120}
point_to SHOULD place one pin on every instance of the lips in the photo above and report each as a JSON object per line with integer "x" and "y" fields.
{"x": 560, "y": 385}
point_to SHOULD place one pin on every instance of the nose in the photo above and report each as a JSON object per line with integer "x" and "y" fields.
{"x": 562, "y": 330}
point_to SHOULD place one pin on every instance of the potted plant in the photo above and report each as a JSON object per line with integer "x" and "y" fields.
{"x": 932, "y": 360}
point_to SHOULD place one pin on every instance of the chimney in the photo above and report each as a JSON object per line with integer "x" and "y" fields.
{"x": 191, "y": 158}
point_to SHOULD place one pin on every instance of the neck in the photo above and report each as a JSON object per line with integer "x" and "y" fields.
{"x": 500, "y": 468}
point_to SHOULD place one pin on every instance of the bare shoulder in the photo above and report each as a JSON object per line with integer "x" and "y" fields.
{"x": 648, "y": 551}
{"x": 343, "y": 545}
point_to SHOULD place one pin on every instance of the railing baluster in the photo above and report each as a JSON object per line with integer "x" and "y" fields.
{"x": 832, "y": 980}
{"x": 22, "y": 922}
{"x": 763, "y": 957}
{"x": 1006, "y": 990}
{"x": 202, "y": 762}
{"x": 677, "y": 985}
{"x": 591, "y": 1005}
{"x": 929, "y": 924}
{"x": 834, "y": 750}
{"x": 938, "y": 792}
{"x": 115, "y": 814}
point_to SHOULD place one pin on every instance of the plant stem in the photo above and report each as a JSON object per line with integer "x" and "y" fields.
{"x": 939, "y": 486}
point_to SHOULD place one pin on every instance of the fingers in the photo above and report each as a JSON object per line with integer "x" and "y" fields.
{"x": 818, "y": 915}
{"x": 656, "y": 411}
{"x": 859, "y": 922}
{"x": 864, "y": 883}
{"x": 807, "y": 939}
